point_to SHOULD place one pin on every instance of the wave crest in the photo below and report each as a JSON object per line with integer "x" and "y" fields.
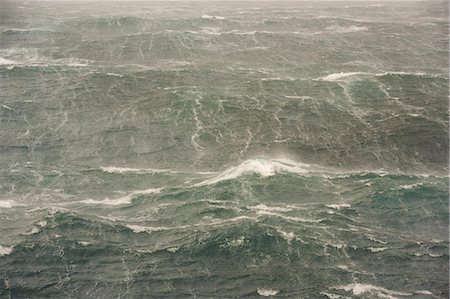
{"x": 261, "y": 167}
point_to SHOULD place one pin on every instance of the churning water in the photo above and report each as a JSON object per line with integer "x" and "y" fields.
{"x": 236, "y": 149}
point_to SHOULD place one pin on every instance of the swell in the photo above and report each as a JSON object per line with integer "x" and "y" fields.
{"x": 267, "y": 167}
{"x": 253, "y": 243}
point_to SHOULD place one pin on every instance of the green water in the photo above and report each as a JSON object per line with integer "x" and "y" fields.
{"x": 224, "y": 150}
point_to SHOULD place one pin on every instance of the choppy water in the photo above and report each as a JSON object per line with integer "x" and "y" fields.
{"x": 176, "y": 150}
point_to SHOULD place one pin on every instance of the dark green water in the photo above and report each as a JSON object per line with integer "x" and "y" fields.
{"x": 224, "y": 150}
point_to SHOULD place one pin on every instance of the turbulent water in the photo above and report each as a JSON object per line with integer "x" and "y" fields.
{"x": 236, "y": 149}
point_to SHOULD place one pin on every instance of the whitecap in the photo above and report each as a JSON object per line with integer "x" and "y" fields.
{"x": 298, "y": 97}
{"x": 261, "y": 167}
{"x": 120, "y": 170}
{"x": 7, "y": 204}
{"x": 5, "y": 250}
{"x": 73, "y": 62}
{"x": 84, "y": 243}
{"x": 208, "y": 17}
{"x": 4, "y": 61}
{"x": 37, "y": 228}
{"x": 347, "y": 29}
{"x": 359, "y": 289}
{"x": 267, "y": 292}
{"x": 288, "y": 218}
{"x": 29, "y": 30}
{"x": 340, "y": 76}
{"x": 377, "y": 249}
{"x": 288, "y": 236}
{"x": 140, "y": 228}
{"x": 339, "y": 206}
{"x": 330, "y": 295}
{"x": 237, "y": 242}
{"x": 262, "y": 207}
{"x": 343, "y": 76}
{"x": 115, "y": 75}
{"x": 278, "y": 79}
{"x": 411, "y": 186}
{"x": 377, "y": 241}
{"x": 424, "y": 292}
{"x": 122, "y": 200}
{"x": 217, "y": 222}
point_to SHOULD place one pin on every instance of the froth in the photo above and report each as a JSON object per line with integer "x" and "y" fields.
{"x": 347, "y": 29}
{"x": 7, "y": 204}
{"x": 122, "y": 200}
{"x": 120, "y": 170}
{"x": 341, "y": 76}
{"x": 5, "y": 250}
{"x": 345, "y": 76}
{"x": 267, "y": 292}
{"x": 359, "y": 289}
{"x": 4, "y": 61}
{"x": 339, "y": 206}
{"x": 208, "y": 17}
{"x": 261, "y": 167}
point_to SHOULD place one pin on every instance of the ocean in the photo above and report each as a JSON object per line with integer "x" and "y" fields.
{"x": 224, "y": 149}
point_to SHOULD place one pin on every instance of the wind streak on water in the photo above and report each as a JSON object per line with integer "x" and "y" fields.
{"x": 175, "y": 150}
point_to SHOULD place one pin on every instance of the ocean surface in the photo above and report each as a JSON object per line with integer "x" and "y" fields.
{"x": 224, "y": 149}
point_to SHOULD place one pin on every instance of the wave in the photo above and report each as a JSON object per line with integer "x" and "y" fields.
{"x": 217, "y": 222}
{"x": 266, "y": 167}
{"x": 359, "y": 289}
{"x": 339, "y": 206}
{"x": 213, "y": 31}
{"x": 377, "y": 249}
{"x": 338, "y": 76}
{"x": 262, "y": 167}
{"x": 122, "y": 200}
{"x": 208, "y": 17}
{"x": 410, "y": 186}
{"x": 4, "y": 61}
{"x": 348, "y": 29}
{"x": 262, "y": 207}
{"x": 7, "y": 204}
{"x": 37, "y": 228}
{"x": 43, "y": 62}
{"x": 267, "y": 292}
{"x": 121, "y": 170}
{"x": 128, "y": 170}
{"x": 351, "y": 75}
{"x": 269, "y": 213}
{"x": 5, "y": 250}
{"x": 27, "y": 30}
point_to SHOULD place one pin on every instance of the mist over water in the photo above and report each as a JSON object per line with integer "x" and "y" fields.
{"x": 235, "y": 149}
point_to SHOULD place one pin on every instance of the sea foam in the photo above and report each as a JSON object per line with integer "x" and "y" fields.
{"x": 359, "y": 289}
{"x": 261, "y": 167}
{"x": 340, "y": 76}
{"x": 122, "y": 170}
{"x": 343, "y": 76}
{"x": 7, "y": 204}
{"x": 4, "y": 61}
{"x": 346, "y": 29}
{"x": 208, "y": 17}
{"x": 5, "y": 250}
{"x": 267, "y": 292}
{"x": 122, "y": 200}
{"x": 339, "y": 206}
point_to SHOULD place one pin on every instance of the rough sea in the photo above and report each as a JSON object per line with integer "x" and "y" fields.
{"x": 224, "y": 149}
